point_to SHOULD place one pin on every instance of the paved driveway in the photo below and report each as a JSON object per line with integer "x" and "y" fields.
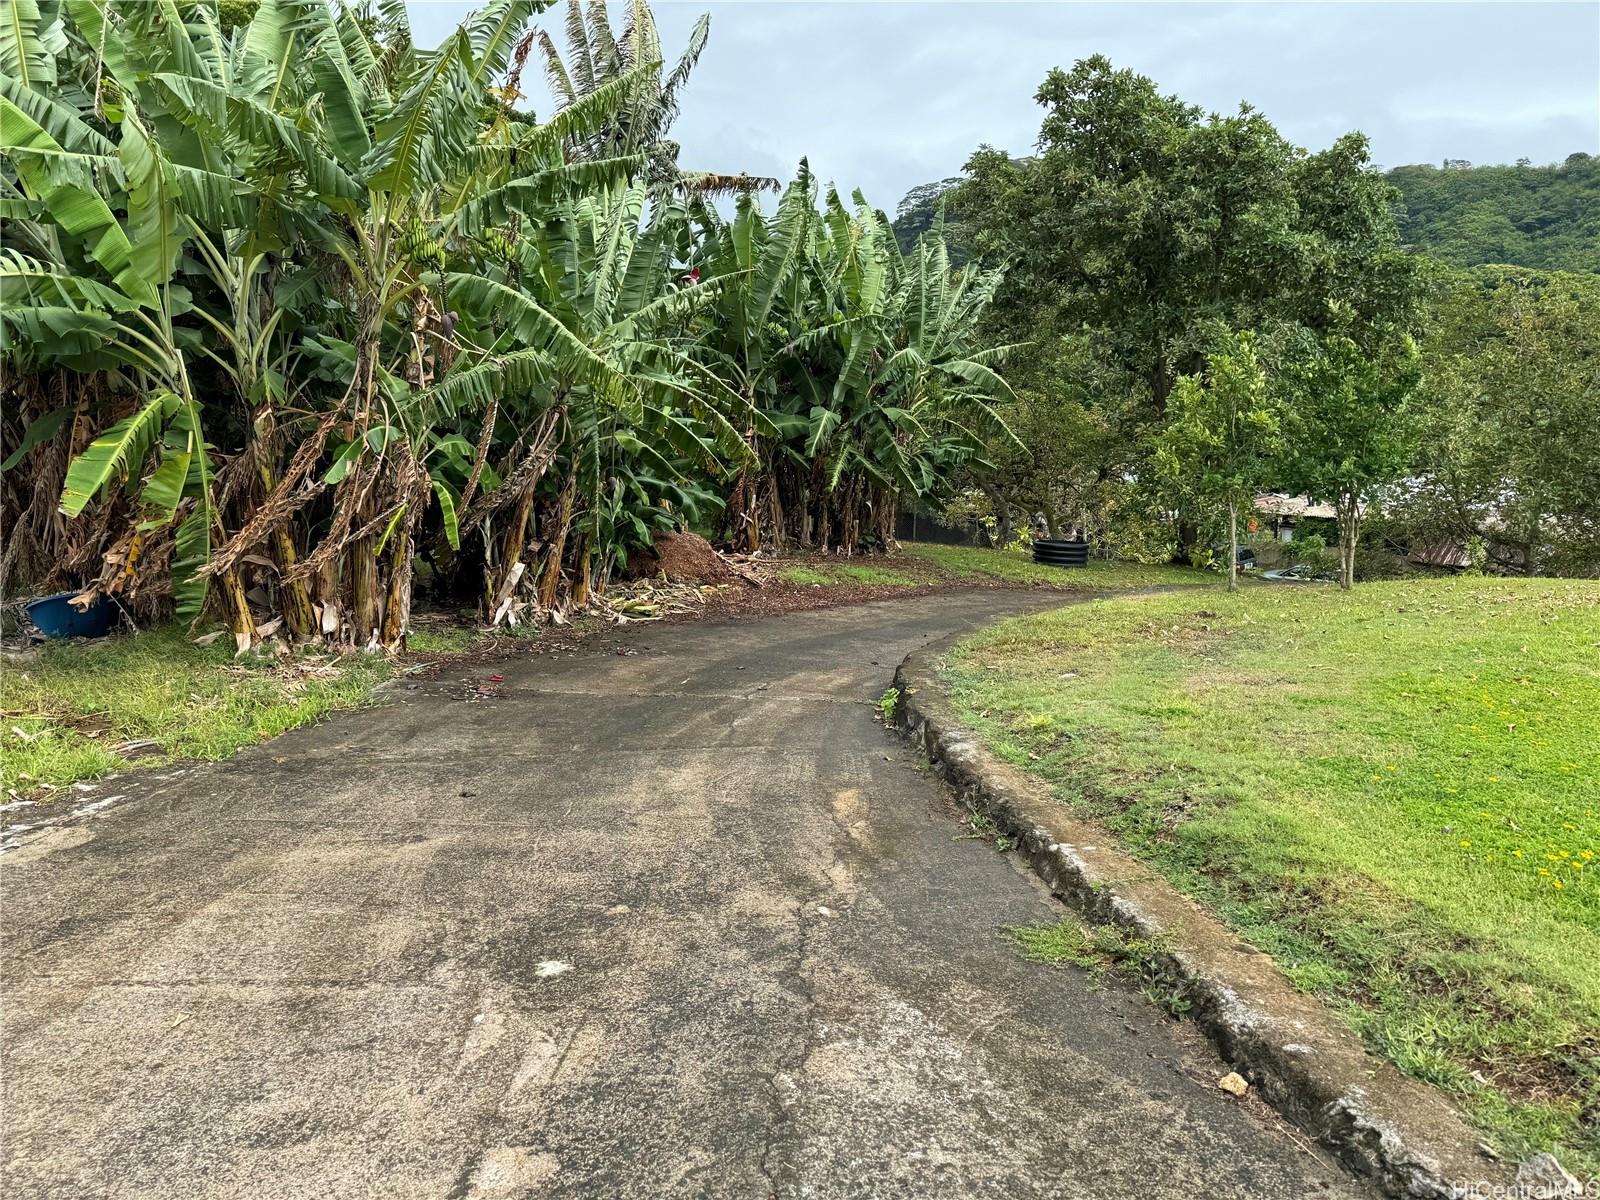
{"x": 682, "y": 921}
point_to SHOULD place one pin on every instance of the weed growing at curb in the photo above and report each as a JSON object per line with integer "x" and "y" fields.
{"x": 982, "y": 829}
{"x": 1104, "y": 950}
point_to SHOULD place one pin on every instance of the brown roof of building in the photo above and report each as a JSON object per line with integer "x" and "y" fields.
{"x": 1440, "y": 554}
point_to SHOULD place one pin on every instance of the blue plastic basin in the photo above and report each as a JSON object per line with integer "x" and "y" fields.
{"x": 58, "y": 619}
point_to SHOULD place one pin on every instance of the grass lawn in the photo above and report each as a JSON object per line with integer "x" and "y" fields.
{"x": 834, "y": 575}
{"x": 1396, "y": 793}
{"x": 1016, "y": 566}
{"x": 65, "y": 715}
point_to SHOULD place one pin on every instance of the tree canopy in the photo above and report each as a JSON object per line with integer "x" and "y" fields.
{"x": 1535, "y": 216}
{"x": 1143, "y": 224}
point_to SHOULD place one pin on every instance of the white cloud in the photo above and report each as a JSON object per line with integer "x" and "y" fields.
{"x": 888, "y": 95}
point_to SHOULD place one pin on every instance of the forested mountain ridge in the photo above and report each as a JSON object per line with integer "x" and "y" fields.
{"x": 1463, "y": 215}
{"x": 1531, "y": 216}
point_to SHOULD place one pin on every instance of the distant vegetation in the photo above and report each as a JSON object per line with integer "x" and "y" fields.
{"x": 1530, "y": 216}
{"x": 1460, "y": 214}
{"x": 916, "y": 215}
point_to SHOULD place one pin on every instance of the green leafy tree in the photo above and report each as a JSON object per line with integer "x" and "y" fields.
{"x": 1142, "y": 222}
{"x": 1346, "y": 435}
{"x": 1506, "y": 435}
{"x": 1223, "y": 439}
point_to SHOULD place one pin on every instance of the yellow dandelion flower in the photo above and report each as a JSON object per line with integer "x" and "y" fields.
{"x": 1556, "y": 883}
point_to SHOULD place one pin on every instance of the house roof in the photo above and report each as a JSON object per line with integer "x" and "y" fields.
{"x": 1440, "y": 554}
{"x": 1281, "y": 504}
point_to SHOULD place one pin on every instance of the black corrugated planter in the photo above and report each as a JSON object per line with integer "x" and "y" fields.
{"x": 1061, "y": 554}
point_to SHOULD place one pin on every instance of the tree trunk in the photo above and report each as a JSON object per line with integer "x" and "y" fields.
{"x": 516, "y": 537}
{"x": 328, "y": 591}
{"x": 1233, "y": 545}
{"x": 1052, "y": 527}
{"x": 397, "y": 609}
{"x": 365, "y": 607}
{"x": 237, "y": 610}
{"x": 580, "y": 585}
{"x": 1188, "y": 537}
{"x": 887, "y": 510}
{"x": 1002, "y": 510}
{"x": 744, "y": 517}
{"x": 550, "y": 582}
{"x": 1349, "y": 514}
{"x": 294, "y": 599}
{"x": 774, "y": 508}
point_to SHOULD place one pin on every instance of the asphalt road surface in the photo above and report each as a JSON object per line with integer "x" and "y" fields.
{"x": 669, "y": 916}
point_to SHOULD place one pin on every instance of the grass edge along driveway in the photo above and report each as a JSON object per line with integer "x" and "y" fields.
{"x": 71, "y": 714}
{"x": 1395, "y": 792}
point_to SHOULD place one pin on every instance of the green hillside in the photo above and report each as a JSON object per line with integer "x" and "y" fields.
{"x": 1531, "y": 216}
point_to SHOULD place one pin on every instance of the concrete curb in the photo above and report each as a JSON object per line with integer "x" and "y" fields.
{"x": 1400, "y": 1133}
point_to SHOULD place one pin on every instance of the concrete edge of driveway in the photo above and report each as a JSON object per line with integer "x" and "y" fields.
{"x": 1396, "y": 1131}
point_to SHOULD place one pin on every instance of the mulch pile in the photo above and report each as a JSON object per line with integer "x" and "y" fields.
{"x": 682, "y": 558}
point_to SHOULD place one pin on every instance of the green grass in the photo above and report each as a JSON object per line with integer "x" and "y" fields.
{"x": 831, "y": 575}
{"x": 1103, "y": 950}
{"x": 64, "y": 714}
{"x": 1015, "y": 566}
{"x": 1395, "y": 792}
{"x": 442, "y": 639}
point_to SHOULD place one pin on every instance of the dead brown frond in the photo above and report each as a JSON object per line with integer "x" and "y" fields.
{"x": 529, "y": 470}
{"x": 711, "y": 184}
{"x": 292, "y": 493}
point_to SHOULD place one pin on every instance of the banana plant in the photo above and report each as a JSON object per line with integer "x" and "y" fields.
{"x": 584, "y": 328}
{"x": 110, "y": 279}
{"x": 335, "y": 303}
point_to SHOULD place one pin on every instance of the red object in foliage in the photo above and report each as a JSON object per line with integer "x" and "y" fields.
{"x": 497, "y": 679}
{"x": 694, "y": 275}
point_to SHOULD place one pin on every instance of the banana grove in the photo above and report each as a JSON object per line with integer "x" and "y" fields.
{"x": 296, "y": 313}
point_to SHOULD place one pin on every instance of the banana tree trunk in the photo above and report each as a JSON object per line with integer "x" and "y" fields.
{"x": 516, "y": 537}
{"x": 236, "y": 609}
{"x": 774, "y": 508}
{"x": 397, "y": 608}
{"x": 294, "y": 599}
{"x": 550, "y": 582}
{"x": 365, "y": 603}
{"x": 330, "y": 613}
{"x": 580, "y": 584}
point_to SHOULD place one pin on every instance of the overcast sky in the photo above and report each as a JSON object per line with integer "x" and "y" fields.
{"x": 884, "y": 96}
